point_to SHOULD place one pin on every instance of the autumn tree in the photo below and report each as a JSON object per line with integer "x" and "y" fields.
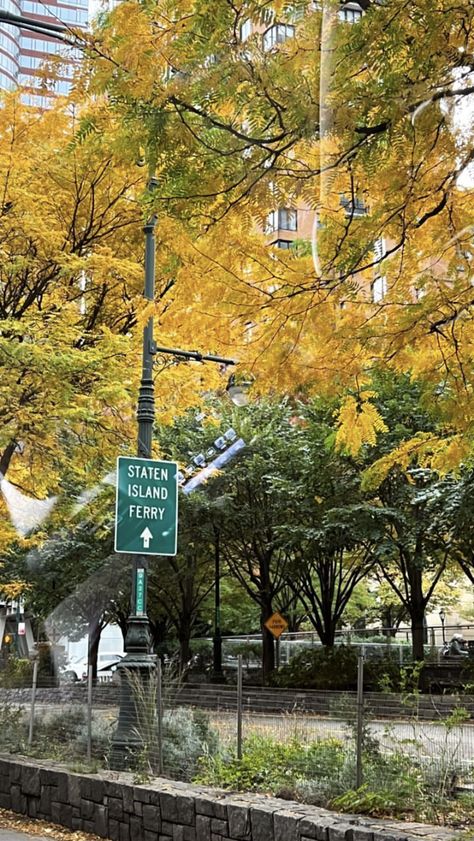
{"x": 407, "y": 500}
{"x": 455, "y": 507}
{"x": 69, "y": 292}
{"x": 363, "y": 112}
{"x": 71, "y": 305}
{"x": 180, "y": 585}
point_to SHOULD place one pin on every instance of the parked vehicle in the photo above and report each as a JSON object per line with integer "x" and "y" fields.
{"x": 77, "y": 670}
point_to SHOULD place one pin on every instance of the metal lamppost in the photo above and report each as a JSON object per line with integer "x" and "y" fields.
{"x": 442, "y": 616}
{"x": 138, "y": 664}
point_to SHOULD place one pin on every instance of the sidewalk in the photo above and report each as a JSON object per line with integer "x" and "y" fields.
{"x": 12, "y": 835}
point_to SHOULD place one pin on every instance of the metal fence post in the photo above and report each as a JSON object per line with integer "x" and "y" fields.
{"x": 360, "y": 718}
{"x": 33, "y": 700}
{"x": 159, "y": 715}
{"x": 89, "y": 713}
{"x": 239, "y": 707}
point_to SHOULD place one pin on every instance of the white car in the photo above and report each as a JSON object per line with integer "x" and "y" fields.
{"x": 77, "y": 670}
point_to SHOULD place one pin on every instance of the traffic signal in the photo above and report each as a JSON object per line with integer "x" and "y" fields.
{"x": 7, "y": 639}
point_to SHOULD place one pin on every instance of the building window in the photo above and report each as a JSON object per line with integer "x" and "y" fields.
{"x": 287, "y": 220}
{"x": 37, "y": 101}
{"x": 277, "y": 34}
{"x": 353, "y": 207}
{"x": 297, "y": 12}
{"x": 245, "y": 30}
{"x": 7, "y": 64}
{"x": 379, "y": 289}
{"x": 283, "y": 243}
{"x": 284, "y": 219}
{"x": 380, "y": 249}
{"x": 64, "y": 13}
{"x": 350, "y": 13}
{"x": 6, "y": 83}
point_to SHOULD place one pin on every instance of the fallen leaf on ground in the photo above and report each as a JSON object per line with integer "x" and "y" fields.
{"x": 10, "y": 820}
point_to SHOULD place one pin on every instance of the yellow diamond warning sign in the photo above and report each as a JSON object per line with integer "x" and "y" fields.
{"x": 277, "y": 624}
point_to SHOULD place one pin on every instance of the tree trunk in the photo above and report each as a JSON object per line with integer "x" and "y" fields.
{"x": 417, "y": 613}
{"x": 268, "y": 646}
{"x": 93, "y": 640}
{"x": 328, "y": 626}
{"x": 418, "y": 635}
{"x": 388, "y": 622}
{"x": 158, "y": 628}
{"x": 6, "y": 457}
{"x": 184, "y": 637}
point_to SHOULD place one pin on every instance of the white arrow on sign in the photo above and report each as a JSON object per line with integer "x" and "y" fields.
{"x": 146, "y": 536}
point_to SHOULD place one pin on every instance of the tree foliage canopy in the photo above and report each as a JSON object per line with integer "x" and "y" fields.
{"x": 366, "y": 111}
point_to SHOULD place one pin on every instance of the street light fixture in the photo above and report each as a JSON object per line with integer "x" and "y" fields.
{"x": 442, "y": 616}
{"x": 238, "y": 387}
{"x": 138, "y": 664}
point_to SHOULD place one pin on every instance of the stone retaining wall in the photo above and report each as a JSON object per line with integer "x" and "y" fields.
{"x": 259, "y": 699}
{"x": 56, "y": 695}
{"x": 111, "y": 806}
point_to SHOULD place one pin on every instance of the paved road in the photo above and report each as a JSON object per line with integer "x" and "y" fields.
{"x": 416, "y": 738}
{"x": 423, "y": 739}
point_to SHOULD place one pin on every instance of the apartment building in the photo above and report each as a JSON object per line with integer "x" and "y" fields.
{"x": 23, "y": 52}
{"x": 286, "y": 226}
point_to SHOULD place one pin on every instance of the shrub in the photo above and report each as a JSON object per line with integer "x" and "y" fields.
{"x": 323, "y": 773}
{"x": 17, "y": 673}
{"x": 102, "y": 729}
{"x": 13, "y": 728}
{"x": 202, "y": 655}
{"x": 320, "y": 668}
{"x": 187, "y": 736}
{"x": 250, "y": 651}
{"x": 60, "y": 727}
{"x": 208, "y": 736}
{"x": 268, "y": 765}
{"x": 336, "y": 668}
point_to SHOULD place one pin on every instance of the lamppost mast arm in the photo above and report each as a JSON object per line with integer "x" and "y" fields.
{"x": 191, "y": 354}
{"x": 54, "y": 30}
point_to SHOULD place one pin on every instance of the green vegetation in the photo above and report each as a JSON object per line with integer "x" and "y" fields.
{"x": 322, "y": 773}
{"x": 336, "y": 668}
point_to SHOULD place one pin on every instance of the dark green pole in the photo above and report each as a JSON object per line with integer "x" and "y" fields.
{"x": 138, "y": 663}
{"x": 217, "y": 673}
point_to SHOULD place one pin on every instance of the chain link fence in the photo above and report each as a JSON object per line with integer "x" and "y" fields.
{"x": 351, "y": 750}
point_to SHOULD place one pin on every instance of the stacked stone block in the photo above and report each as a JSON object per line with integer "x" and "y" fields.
{"x": 113, "y": 807}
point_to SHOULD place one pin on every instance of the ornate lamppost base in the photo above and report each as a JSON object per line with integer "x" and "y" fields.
{"x": 137, "y": 713}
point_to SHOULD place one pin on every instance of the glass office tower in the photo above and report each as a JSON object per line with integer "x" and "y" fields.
{"x": 23, "y": 52}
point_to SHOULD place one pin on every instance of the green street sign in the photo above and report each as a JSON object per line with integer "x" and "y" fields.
{"x": 146, "y": 513}
{"x": 140, "y": 593}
